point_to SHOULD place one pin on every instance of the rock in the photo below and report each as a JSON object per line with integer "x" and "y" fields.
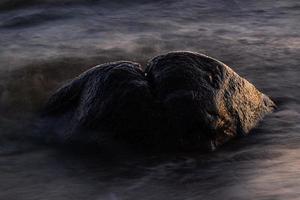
{"x": 204, "y": 102}
{"x": 183, "y": 101}
{"x": 103, "y": 102}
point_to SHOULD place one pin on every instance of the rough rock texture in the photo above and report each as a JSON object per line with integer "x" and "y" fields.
{"x": 205, "y": 103}
{"x": 184, "y": 100}
{"x": 108, "y": 99}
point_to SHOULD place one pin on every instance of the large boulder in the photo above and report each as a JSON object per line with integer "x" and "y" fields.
{"x": 182, "y": 101}
{"x": 204, "y": 102}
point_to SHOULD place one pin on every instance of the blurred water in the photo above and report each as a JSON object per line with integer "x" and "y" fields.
{"x": 44, "y": 43}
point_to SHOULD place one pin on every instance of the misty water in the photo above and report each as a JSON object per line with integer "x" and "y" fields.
{"x": 44, "y": 43}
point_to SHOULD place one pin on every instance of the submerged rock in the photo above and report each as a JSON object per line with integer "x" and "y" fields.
{"x": 184, "y": 100}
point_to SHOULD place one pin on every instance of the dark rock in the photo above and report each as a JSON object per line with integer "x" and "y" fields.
{"x": 204, "y": 102}
{"x": 103, "y": 102}
{"x": 183, "y": 101}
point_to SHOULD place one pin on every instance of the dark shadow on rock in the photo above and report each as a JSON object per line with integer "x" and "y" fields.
{"x": 109, "y": 101}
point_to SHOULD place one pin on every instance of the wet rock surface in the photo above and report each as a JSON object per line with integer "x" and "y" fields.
{"x": 183, "y": 100}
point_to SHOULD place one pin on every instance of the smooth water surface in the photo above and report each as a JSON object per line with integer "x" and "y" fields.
{"x": 44, "y": 43}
